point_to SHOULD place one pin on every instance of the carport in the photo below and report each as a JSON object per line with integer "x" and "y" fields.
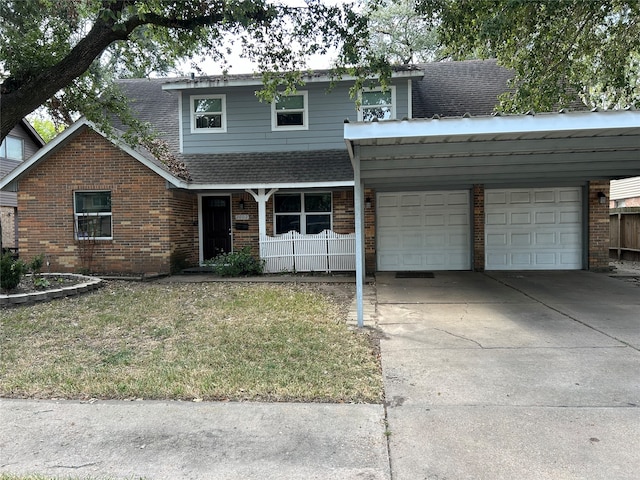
{"x": 520, "y": 156}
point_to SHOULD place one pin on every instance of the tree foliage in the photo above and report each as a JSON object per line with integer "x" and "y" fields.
{"x": 400, "y": 34}
{"x": 558, "y": 49}
{"x": 64, "y": 53}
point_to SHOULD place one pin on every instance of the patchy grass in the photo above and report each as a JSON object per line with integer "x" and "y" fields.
{"x": 209, "y": 341}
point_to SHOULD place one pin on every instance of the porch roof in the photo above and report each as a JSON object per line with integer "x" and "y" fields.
{"x": 570, "y": 147}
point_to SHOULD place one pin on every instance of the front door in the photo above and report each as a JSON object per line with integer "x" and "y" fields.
{"x": 216, "y": 226}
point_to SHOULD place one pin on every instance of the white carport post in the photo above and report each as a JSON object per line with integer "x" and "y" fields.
{"x": 358, "y": 198}
{"x": 261, "y": 198}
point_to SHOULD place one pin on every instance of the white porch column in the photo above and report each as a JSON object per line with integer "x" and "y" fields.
{"x": 358, "y": 199}
{"x": 261, "y": 198}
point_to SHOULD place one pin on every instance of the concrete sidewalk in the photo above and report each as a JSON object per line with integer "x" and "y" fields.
{"x": 192, "y": 441}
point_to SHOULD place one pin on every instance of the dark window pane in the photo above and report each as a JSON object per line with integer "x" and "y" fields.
{"x": 382, "y": 113}
{"x": 376, "y": 98}
{"x": 318, "y": 223}
{"x": 287, "y": 119}
{"x": 290, "y": 102}
{"x": 93, "y": 202}
{"x": 207, "y": 105}
{"x": 286, "y": 223}
{"x": 317, "y": 202}
{"x": 209, "y": 121}
{"x": 286, "y": 203}
{"x": 94, "y": 227}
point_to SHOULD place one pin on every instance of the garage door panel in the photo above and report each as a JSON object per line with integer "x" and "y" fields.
{"x": 433, "y": 232}
{"x": 528, "y": 229}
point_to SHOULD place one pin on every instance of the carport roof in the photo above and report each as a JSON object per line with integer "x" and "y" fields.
{"x": 559, "y": 148}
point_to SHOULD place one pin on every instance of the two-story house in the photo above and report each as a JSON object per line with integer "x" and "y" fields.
{"x": 421, "y": 172}
{"x": 21, "y": 143}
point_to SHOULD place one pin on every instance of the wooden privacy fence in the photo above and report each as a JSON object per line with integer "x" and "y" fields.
{"x": 624, "y": 238}
{"x": 326, "y": 251}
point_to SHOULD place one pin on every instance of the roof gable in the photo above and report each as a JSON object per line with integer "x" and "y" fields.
{"x": 72, "y": 132}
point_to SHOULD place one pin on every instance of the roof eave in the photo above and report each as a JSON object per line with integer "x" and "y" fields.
{"x": 219, "y": 82}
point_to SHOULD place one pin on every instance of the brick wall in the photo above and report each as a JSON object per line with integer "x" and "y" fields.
{"x": 370, "y": 231}
{"x": 245, "y": 238}
{"x": 478, "y": 228}
{"x": 598, "y": 226}
{"x": 8, "y": 219}
{"x": 150, "y": 222}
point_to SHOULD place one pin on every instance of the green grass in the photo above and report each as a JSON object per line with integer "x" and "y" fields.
{"x": 209, "y": 341}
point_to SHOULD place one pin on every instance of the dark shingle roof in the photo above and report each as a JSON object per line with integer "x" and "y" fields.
{"x": 154, "y": 105}
{"x": 270, "y": 168}
{"x": 447, "y": 89}
{"x": 451, "y": 89}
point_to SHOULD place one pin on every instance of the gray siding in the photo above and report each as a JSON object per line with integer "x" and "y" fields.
{"x": 249, "y": 121}
{"x": 30, "y": 147}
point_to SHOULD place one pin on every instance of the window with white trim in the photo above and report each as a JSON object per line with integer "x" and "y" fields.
{"x": 305, "y": 213}
{"x": 290, "y": 112}
{"x": 12, "y": 148}
{"x": 92, "y": 212}
{"x": 208, "y": 114}
{"x": 377, "y": 103}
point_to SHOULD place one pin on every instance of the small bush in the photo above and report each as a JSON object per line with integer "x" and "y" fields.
{"x": 35, "y": 266}
{"x": 11, "y": 272}
{"x": 236, "y": 264}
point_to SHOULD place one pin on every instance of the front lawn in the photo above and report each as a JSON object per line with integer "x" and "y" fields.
{"x": 208, "y": 341}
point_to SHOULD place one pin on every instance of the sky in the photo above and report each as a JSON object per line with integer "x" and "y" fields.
{"x": 238, "y": 65}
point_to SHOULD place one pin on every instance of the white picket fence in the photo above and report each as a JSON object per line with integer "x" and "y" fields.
{"x": 326, "y": 251}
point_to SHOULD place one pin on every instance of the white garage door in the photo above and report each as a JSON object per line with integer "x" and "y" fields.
{"x": 423, "y": 231}
{"x": 533, "y": 229}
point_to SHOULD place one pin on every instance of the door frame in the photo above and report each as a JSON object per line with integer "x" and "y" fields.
{"x": 200, "y": 222}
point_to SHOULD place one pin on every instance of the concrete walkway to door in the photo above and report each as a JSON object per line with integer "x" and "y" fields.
{"x": 496, "y": 376}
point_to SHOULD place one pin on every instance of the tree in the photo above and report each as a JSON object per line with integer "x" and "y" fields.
{"x": 45, "y": 128}
{"x": 558, "y": 49}
{"x": 54, "y": 52}
{"x": 401, "y": 34}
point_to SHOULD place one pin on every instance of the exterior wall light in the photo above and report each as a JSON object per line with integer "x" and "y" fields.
{"x": 367, "y": 203}
{"x": 602, "y": 198}
{"x": 241, "y": 204}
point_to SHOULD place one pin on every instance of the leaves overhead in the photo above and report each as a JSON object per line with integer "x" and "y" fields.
{"x": 65, "y": 53}
{"x": 558, "y": 48}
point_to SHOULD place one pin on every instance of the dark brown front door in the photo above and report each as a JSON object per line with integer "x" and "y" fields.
{"x": 216, "y": 226}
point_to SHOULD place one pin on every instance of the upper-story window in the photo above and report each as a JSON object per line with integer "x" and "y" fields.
{"x": 12, "y": 148}
{"x": 377, "y": 103}
{"x": 290, "y": 112}
{"x": 208, "y": 114}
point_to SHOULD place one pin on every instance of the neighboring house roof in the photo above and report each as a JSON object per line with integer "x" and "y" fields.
{"x": 140, "y": 154}
{"x": 452, "y": 89}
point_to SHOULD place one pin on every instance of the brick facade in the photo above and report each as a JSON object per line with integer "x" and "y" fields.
{"x": 152, "y": 225}
{"x": 598, "y": 226}
{"x": 478, "y": 228}
{"x": 8, "y": 217}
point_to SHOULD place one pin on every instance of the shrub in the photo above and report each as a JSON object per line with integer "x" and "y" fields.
{"x": 11, "y": 271}
{"x": 236, "y": 264}
{"x": 36, "y": 264}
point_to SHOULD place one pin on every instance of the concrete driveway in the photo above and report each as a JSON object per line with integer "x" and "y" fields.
{"x": 511, "y": 375}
